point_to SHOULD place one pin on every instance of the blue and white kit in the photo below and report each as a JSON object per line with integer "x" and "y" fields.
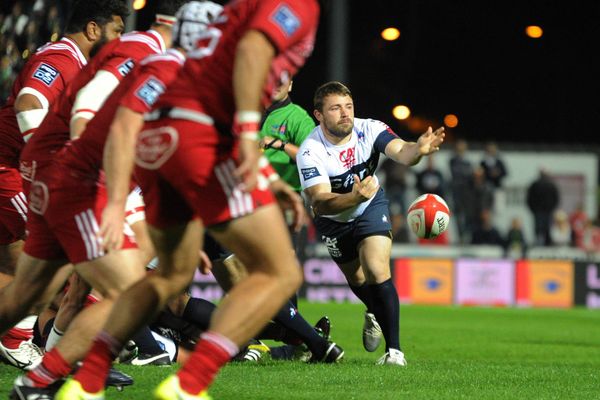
{"x": 320, "y": 161}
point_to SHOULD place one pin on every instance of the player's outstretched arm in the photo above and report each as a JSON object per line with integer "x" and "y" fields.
{"x": 410, "y": 153}
{"x": 118, "y": 160}
{"x": 252, "y": 62}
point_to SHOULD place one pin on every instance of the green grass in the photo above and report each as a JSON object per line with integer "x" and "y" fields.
{"x": 452, "y": 353}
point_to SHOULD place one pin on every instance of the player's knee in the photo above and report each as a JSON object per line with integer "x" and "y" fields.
{"x": 292, "y": 277}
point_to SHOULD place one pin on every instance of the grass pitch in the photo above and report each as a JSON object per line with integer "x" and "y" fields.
{"x": 452, "y": 353}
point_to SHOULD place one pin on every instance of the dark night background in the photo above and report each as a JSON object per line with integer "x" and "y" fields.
{"x": 473, "y": 59}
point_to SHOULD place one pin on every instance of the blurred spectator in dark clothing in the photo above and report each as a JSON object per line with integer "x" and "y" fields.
{"x": 560, "y": 230}
{"x": 395, "y": 183}
{"x": 492, "y": 165}
{"x": 515, "y": 246}
{"x": 461, "y": 172}
{"x": 542, "y": 199}
{"x": 430, "y": 179}
{"x": 487, "y": 233}
{"x": 480, "y": 197}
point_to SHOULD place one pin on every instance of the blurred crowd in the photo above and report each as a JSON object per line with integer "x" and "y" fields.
{"x": 472, "y": 192}
{"x": 24, "y": 26}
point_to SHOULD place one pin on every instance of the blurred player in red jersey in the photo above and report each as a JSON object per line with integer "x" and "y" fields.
{"x": 76, "y": 192}
{"x": 46, "y": 74}
{"x": 54, "y": 236}
{"x": 197, "y": 165}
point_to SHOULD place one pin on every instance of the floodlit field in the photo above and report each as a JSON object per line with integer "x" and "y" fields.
{"x": 452, "y": 353}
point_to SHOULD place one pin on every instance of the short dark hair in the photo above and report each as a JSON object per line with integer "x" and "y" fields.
{"x": 328, "y": 89}
{"x": 99, "y": 11}
{"x": 169, "y": 7}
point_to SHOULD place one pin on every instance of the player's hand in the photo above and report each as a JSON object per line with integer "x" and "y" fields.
{"x": 288, "y": 199}
{"x": 111, "y": 227}
{"x": 365, "y": 189}
{"x": 264, "y": 141}
{"x": 430, "y": 141}
{"x": 247, "y": 171}
{"x": 205, "y": 265}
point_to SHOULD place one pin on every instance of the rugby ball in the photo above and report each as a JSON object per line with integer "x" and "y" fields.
{"x": 428, "y": 216}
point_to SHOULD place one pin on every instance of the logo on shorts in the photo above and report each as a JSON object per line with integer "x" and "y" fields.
{"x": 150, "y": 91}
{"x": 155, "y": 146}
{"x": 332, "y": 246}
{"x": 286, "y": 20}
{"x": 38, "y": 197}
{"x": 384, "y": 218}
{"x": 309, "y": 173}
{"x": 46, "y": 73}
{"x": 126, "y": 67}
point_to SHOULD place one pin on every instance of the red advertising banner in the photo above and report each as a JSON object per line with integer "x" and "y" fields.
{"x": 424, "y": 281}
{"x": 545, "y": 283}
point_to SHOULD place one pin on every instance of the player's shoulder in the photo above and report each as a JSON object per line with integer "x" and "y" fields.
{"x": 172, "y": 56}
{"x": 134, "y": 39}
{"x": 369, "y": 125}
{"x": 312, "y": 142}
{"x": 63, "y": 53}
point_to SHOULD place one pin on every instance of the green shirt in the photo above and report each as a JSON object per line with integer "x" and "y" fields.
{"x": 291, "y": 123}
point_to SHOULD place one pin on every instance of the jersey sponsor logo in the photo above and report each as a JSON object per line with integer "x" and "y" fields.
{"x": 126, "y": 67}
{"x": 285, "y": 19}
{"x": 347, "y": 157}
{"x": 46, "y": 73}
{"x": 150, "y": 91}
{"x": 361, "y": 136}
{"x": 155, "y": 146}
{"x": 309, "y": 173}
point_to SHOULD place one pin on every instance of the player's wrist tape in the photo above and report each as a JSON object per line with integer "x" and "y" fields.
{"x": 246, "y": 121}
{"x": 282, "y": 145}
{"x": 249, "y": 135}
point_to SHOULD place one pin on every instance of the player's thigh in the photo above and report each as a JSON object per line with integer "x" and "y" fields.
{"x": 38, "y": 279}
{"x": 113, "y": 272}
{"x": 374, "y": 253}
{"x": 9, "y": 254}
{"x": 177, "y": 248}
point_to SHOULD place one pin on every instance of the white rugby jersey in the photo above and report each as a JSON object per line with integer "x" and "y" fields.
{"x": 320, "y": 161}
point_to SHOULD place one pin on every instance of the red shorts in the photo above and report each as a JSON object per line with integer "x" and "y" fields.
{"x": 185, "y": 170}
{"x": 13, "y": 206}
{"x": 65, "y": 213}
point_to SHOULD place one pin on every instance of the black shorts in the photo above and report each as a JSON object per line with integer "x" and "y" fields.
{"x": 342, "y": 238}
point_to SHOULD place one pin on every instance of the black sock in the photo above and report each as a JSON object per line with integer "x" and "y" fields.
{"x": 363, "y": 292}
{"x": 289, "y": 317}
{"x": 285, "y": 352}
{"x": 198, "y": 312}
{"x": 272, "y": 331}
{"x": 146, "y": 343}
{"x": 386, "y": 308}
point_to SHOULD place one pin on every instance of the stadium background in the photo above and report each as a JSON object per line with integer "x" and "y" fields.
{"x": 534, "y": 97}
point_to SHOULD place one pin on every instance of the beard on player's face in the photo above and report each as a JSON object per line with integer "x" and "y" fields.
{"x": 101, "y": 42}
{"x": 340, "y": 127}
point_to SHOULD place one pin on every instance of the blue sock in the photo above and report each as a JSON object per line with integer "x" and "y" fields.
{"x": 386, "y": 308}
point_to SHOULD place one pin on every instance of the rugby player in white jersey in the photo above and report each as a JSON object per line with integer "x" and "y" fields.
{"x": 337, "y": 163}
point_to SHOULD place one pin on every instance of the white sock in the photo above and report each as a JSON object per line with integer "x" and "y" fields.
{"x": 53, "y": 337}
